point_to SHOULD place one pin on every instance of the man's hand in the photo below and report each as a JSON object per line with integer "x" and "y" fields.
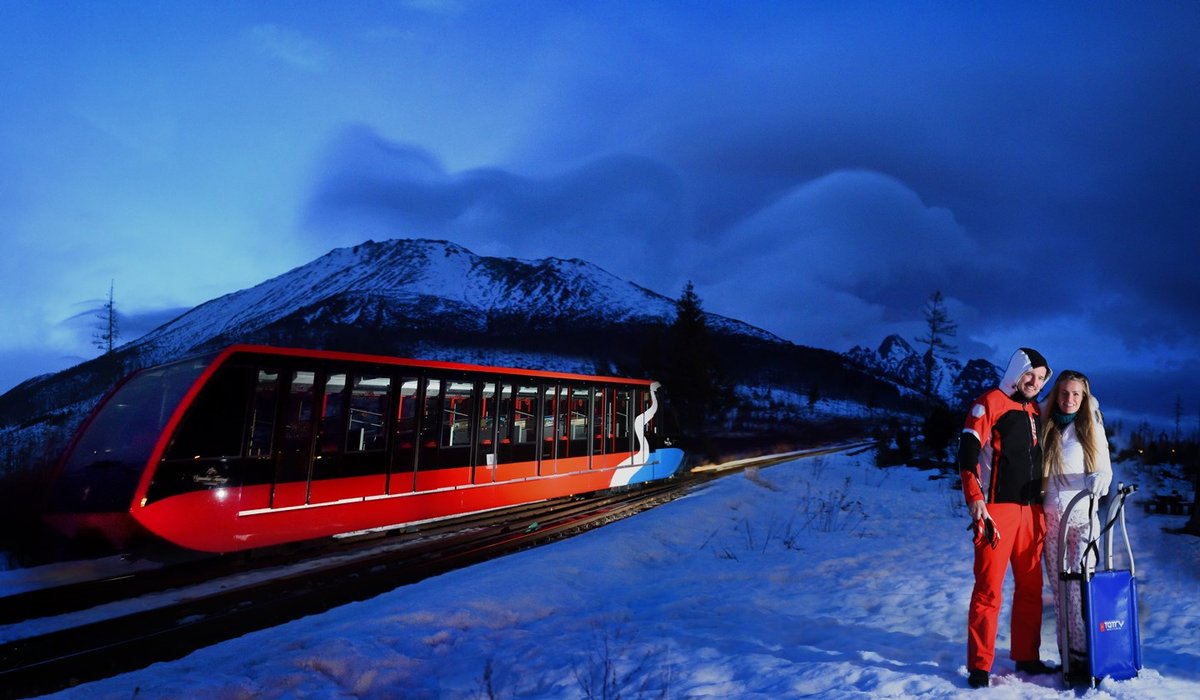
{"x": 978, "y": 509}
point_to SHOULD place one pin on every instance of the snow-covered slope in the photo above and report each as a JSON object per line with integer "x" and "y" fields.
{"x": 824, "y": 577}
{"x": 421, "y": 283}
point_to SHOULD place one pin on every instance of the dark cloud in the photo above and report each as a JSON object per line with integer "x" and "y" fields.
{"x": 834, "y": 257}
{"x": 92, "y": 321}
{"x": 611, "y": 210}
{"x": 1050, "y": 132}
{"x": 820, "y": 171}
{"x": 817, "y": 168}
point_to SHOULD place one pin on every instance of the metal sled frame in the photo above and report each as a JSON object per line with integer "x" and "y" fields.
{"x": 1086, "y": 575}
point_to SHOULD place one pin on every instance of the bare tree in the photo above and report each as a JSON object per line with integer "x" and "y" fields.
{"x": 107, "y": 331}
{"x": 938, "y": 329}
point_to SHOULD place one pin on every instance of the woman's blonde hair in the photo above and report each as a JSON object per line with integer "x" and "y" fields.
{"x": 1085, "y": 428}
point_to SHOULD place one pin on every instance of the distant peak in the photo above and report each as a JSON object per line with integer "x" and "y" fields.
{"x": 894, "y": 344}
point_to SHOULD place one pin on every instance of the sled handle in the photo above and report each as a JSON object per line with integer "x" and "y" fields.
{"x": 1085, "y": 563}
{"x": 1116, "y": 511}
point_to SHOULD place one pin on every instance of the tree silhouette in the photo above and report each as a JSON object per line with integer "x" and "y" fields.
{"x": 107, "y": 331}
{"x": 695, "y": 378}
{"x": 938, "y": 328}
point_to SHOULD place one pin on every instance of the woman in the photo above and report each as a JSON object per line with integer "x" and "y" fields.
{"x": 1074, "y": 458}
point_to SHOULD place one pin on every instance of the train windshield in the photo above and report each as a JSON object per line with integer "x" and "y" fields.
{"x": 102, "y": 471}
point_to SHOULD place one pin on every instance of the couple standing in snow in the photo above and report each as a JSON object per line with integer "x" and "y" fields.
{"x": 1019, "y": 472}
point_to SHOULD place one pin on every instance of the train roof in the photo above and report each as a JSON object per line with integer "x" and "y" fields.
{"x": 222, "y": 356}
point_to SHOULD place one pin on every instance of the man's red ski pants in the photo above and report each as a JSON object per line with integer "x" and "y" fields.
{"x": 1022, "y": 531}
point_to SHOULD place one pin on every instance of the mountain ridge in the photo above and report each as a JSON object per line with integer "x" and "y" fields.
{"x": 954, "y": 383}
{"x": 431, "y": 299}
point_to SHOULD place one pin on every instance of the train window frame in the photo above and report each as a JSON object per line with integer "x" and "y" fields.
{"x": 622, "y": 419}
{"x": 298, "y": 434}
{"x": 526, "y": 413}
{"x": 332, "y": 417}
{"x": 600, "y": 426}
{"x": 429, "y": 423}
{"x": 369, "y": 385}
{"x": 456, "y": 423}
{"x": 489, "y": 422}
{"x": 405, "y": 430}
{"x": 264, "y": 398}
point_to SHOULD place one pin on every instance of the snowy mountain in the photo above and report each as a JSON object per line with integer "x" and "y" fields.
{"x": 953, "y": 382}
{"x": 414, "y": 290}
{"x": 437, "y": 300}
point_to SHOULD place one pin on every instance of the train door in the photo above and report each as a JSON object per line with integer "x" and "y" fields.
{"x": 294, "y": 458}
{"x": 621, "y": 410}
{"x": 402, "y": 477}
{"x": 446, "y": 418}
{"x": 458, "y": 430}
{"x": 601, "y": 424}
{"x": 649, "y": 428}
{"x": 487, "y": 443}
{"x": 349, "y": 460}
{"x": 516, "y": 432}
{"x": 427, "y": 440}
{"x": 550, "y": 423}
{"x": 504, "y": 430}
{"x": 331, "y": 430}
{"x": 365, "y": 457}
{"x": 578, "y": 418}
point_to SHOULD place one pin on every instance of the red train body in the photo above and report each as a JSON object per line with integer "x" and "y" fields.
{"x": 256, "y": 446}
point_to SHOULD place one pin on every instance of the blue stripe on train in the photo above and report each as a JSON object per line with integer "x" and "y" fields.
{"x": 662, "y": 464}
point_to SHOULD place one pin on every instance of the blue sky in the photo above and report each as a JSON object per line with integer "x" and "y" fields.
{"x": 817, "y": 169}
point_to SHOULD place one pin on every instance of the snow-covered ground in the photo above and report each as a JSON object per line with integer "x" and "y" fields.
{"x": 820, "y": 577}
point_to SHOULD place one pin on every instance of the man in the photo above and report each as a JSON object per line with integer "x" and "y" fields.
{"x": 1001, "y": 464}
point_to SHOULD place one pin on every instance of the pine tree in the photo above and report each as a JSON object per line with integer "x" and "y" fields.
{"x": 107, "y": 331}
{"x": 938, "y": 329}
{"x": 695, "y": 378}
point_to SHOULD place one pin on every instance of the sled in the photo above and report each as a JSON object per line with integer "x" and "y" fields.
{"x": 1109, "y": 599}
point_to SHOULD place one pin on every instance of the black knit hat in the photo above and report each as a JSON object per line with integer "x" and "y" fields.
{"x": 1035, "y": 358}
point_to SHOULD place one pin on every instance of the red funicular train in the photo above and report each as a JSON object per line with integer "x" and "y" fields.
{"x": 255, "y": 446}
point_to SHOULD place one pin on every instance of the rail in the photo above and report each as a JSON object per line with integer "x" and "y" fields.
{"x": 161, "y": 625}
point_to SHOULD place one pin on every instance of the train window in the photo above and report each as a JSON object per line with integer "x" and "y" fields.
{"x": 456, "y": 414}
{"x": 262, "y": 414}
{"x": 404, "y": 448}
{"x": 645, "y": 401}
{"x": 297, "y": 432}
{"x": 621, "y": 408}
{"x": 504, "y": 412}
{"x": 430, "y": 424}
{"x": 579, "y": 413}
{"x": 214, "y": 424}
{"x": 487, "y": 416}
{"x": 525, "y": 416}
{"x": 550, "y": 417}
{"x": 564, "y": 414}
{"x": 329, "y": 439}
{"x": 600, "y": 420}
{"x": 406, "y": 414}
{"x": 369, "y": 396}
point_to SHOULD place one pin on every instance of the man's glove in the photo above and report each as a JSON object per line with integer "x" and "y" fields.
{"x": 984, "y": 530}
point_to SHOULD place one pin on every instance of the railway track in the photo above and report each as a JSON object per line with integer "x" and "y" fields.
{"x": 161, "y": 615}
{"x": 156, "y": 571}
{"x": 159, "y": 628}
